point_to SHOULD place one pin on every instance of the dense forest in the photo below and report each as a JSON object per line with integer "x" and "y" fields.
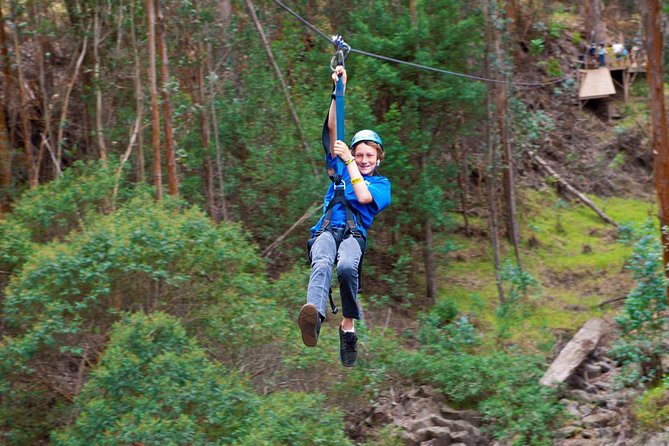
{"x": 161, "y": 164}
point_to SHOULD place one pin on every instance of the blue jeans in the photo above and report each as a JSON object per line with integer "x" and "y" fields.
{"x": 328, "y": 247}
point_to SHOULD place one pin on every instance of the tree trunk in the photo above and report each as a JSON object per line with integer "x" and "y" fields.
{"x": 99, "y": 131}
{"x": 430, "y": 264}
{"x": 139, "y": 98}
{"x": 172, "y": 177}
{"x": 155, "y": 114}
{"x": 5, "y": 143}
{"x": 658, "y": 113}
{"x": 217, "y": 141}
{"x": 199, "y": 98}
{"x": 593, "y": 21}
{"x": 463, "y": 184}
{"x": 492, "y": 156}
{"x": 508, "y": 175}
{"x": 47, "y": 136}
{"x": 62, "y": 123}
{"x": 25, "y": 123}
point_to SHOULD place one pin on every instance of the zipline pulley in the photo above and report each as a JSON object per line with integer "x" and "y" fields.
{"x": 341, "y": 52}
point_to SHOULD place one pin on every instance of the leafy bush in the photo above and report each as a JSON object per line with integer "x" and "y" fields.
{"x": 145, "y": 256}
{"x": 56, "y": 208}
{"x": 651, "y": 410}
{"x": 157, "y": 386}
{"x": 643, "y": 322}
{"x": 296, "y": 419}
{"x": 15, "y": 245}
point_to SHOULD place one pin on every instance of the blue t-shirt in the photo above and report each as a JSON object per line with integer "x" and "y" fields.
{"x": 378, "y": 186}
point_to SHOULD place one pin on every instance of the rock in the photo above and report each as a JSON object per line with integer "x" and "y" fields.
{"x": 380, "y": 415}
{"x": 588, "y": 434}
{"x": 586, "y": 397}
{"x": 436, "y": 442}
{"x": 585, "y": 410}
{"x": 605, "y": 433}
{"x": 470, "y": 416}
{"x": 591, "y": 371}
{"x": 568, "y": 431}
{"x": 661, "y": 439}
{"x": 574, "y": 353}
{"x": 601, "y": 418}
{"x": 420, "y": 423}
{"x": 463, "y": 437}
{"x": 603, "y": 366}
{"x": 434, "y": 432}
{"x": 580, "y": 442}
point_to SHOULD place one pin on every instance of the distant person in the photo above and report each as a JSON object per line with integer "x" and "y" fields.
{"x": 618, "y": 51}
{"x": 601, "y": 55}
{"x": 592, "y": 55}
{"x": 634, "y": 54}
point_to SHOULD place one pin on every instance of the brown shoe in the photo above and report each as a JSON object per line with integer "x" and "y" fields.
{"x": 310, "y": 324}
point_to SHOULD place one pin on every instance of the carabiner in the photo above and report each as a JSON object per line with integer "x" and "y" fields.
{"x": 337, "y": 59}
{"x": 341, "y": 52}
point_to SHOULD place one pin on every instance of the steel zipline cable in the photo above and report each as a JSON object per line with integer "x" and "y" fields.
{"x": 419, "y": 66}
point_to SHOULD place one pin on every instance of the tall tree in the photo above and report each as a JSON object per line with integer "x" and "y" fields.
{"x": 172, "y": 177}
{"x": 5, "y": 144}
{"x": 25, "y": 119}
{"x": 652, "y": 19}
{"x": 593, "y": 20}
{"x": 487, "y": 6}
{"x": 153, "y": 86}
{"x": 501, "y": 109}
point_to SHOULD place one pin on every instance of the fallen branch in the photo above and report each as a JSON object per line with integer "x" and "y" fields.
{"x": 549, "y": 170}
{"x": 610, "y": 301}
{"x": 309, "y": 213}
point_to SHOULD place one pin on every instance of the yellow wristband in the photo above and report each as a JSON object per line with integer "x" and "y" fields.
{"x": 356, "y": 180}
{"x": 349, "y": 161}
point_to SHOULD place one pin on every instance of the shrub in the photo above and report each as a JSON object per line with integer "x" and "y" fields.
{"x": 651, "y": 410}
{"x": 156, "y": 386}
{"x": 145, "y": 256}
{"x": 56, "y": 208}
{"x": 643, "y": 321}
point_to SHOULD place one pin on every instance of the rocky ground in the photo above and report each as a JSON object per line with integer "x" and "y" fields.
{"x": 598, "y": 412}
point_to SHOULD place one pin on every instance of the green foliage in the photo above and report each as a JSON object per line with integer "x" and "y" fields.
{"x": 537, "y": 46}
{"x": 553, "y": 67}
{"x": 156, "y": 386}
{"x": 643, "y": 321}
{"x": 517, "y": 284}
{"x": 651, "y": 410}
{"x": 576, "y": 38}
{"x": 56, "y": 208}
{"x": 15, "y": 245}
{"x": 146, "y": 255}
{"x": 300, "y": 419}
{"x": 618, "y": 161}
{"x": 555, "y": 29}
{"x": 502, "y": 385}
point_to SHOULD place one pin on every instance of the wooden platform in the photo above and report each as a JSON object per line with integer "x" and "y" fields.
{"x": 637, "y": 67}
{"x": 596, "y": 84}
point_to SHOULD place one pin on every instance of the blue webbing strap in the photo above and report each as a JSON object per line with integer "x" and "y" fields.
{"x": 339, "y": 108}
